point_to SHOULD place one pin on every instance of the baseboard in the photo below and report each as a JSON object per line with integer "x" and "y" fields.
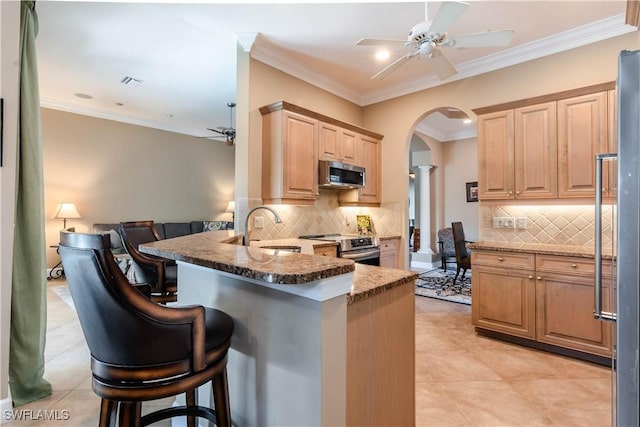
{"x": 423, "y": 265}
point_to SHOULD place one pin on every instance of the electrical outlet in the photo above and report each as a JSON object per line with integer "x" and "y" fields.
{"x": 503, "y": 222}
{"x": 258, "y": 222}
{"x": 521, "y": 222}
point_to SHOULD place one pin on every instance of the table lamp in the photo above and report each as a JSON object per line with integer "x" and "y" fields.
{"x": 66, "y": 211}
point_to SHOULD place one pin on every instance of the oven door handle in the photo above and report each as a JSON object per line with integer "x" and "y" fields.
{"x": 372, "y": 253}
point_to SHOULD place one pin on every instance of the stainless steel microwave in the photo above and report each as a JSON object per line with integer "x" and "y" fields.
{"x": 338, "y": 175}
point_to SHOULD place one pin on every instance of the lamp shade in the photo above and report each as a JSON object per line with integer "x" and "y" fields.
{"x": 67, "y": 210}
{"x": 231, "y": 207}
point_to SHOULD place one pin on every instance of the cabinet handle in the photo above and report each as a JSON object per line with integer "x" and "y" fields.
{"x": 574, "y": 265}
{"x": 500, "y": 259}
{"x": 510, "y": 192}
{"x": 539, "y": 278}
{"x": 517, "y": 193}
{"x": 530, "y": 276}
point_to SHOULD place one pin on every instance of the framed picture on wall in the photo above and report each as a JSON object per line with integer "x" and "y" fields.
{"x": 472, "y": 191}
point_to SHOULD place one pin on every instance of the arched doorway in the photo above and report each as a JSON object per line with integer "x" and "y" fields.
{"x": 442, "y": 159}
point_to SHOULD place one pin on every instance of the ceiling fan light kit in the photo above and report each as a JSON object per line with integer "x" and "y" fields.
{"x": 426, "y": 37}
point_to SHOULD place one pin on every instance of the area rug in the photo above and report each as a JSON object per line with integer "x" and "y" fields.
{"x": 439, "y": 284}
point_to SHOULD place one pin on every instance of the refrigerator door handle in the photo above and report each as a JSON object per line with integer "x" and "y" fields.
{"x": 598, "y": 313}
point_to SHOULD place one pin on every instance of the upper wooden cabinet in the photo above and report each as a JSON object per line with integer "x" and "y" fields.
{"x": 337, "y": 144}
{"x": 289, "y": 158}
{"x": 294, "y": 139}
{"x": 545, "y": 148}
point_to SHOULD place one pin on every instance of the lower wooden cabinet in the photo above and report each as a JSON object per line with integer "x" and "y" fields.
{"x": 544, "y": 298}
{"x": 564, "y": 305}
{"x": 503, "y": 292}
{"x": 389, "y": 252}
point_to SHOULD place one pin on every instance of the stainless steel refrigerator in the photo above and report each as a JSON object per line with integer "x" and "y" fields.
{"x": 624, "y": 244}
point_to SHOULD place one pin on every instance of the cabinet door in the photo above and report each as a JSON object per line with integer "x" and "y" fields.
{"x": 564, "y": 305}
{"x": 582, "y": 133}
{"x": 495, "y": 156}
{"x": 389, "y": 253}
{"x": 369, "y": 158}
{"x": 300, "y": 158}
{"x": 348, "y": 146}
{"x": 536, "y": 151}
{"x": 328, "y": 141}
{"x": 503, "y": 300}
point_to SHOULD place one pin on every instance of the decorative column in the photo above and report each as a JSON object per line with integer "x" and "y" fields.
{"x": 425, "y": 209}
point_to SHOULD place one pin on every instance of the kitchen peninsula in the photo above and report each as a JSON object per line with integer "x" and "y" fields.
{"x": 318, "y": 340}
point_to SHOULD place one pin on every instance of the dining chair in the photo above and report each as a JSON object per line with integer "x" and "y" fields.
{"x": 463, "y": 256}
{"x": 141, "y": 350}
{"x": 446, "y": 247}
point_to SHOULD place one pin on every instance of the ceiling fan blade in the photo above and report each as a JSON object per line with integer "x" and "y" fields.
{"x": 380, "y": 42}
{"x": 441, "y": 65}
{"x": 483, "y": 39}
{"x": 448, "y": 13}
{"x": 396, "y": 64}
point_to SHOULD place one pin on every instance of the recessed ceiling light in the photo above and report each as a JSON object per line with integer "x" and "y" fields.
{"x": 84, "y": 96}
{"x": 119, "y": 104}
{"x": 382, "y": 55}
{"x": 467, "y": 121}
{"x": 170, "y": 115}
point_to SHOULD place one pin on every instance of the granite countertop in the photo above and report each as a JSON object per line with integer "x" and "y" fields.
{"x": 369, "y": 280}
{"x": 389, "y": 237}
{"x": 272, "y": 266}
{"x": 538, "y": 248}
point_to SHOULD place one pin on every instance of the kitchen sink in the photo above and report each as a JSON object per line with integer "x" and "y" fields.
{"x": 288, "y": 248}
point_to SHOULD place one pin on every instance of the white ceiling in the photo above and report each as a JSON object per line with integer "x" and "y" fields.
{"x": 185, "y": 54}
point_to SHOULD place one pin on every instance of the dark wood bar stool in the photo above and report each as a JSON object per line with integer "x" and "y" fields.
{"x": 141, "y": 350}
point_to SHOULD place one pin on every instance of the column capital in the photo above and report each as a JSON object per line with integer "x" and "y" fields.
{"x": 426, "y": 167}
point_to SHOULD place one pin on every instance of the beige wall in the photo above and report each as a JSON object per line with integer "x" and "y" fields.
{"x": 119, "y": 172}
{"x": 460, "y": 165}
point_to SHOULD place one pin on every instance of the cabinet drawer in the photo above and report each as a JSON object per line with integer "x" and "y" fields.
{"x": 503, "y": 259}
{"x": 565, "y": 265}
{"x": 388, "y": 246}
{"x": 326, "y": 251}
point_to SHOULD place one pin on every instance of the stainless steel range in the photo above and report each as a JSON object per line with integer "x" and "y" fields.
{"x": 361, "y": 249}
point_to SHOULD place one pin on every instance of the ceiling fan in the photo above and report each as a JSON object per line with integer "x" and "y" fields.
{"x": 228, "y": 133}
{"x": 427, "y": 37}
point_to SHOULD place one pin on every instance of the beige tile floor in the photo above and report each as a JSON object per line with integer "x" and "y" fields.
{"x": 461, "y": 379}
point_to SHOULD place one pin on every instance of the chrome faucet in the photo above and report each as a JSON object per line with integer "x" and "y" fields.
{"x": 245, "y": 237}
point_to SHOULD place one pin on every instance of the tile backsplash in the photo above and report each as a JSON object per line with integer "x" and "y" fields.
{"x": 325, "y": 216}
{"x": 548, "y": 224}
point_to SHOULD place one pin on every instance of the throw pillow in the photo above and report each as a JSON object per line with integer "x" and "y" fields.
{"x": 214, "y": 225}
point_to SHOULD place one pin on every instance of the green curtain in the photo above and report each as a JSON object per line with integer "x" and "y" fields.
{"x": 28, "y": 292}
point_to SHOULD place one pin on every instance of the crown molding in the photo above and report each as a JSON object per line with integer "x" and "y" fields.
{"x": 280, "y": 60}
{"x": 110, "y": 115}
{"x": 423, "y": 128}
{"x": 246, "y": 40}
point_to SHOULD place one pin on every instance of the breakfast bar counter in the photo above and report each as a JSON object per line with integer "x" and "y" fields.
{"x": 318, "y": 340}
